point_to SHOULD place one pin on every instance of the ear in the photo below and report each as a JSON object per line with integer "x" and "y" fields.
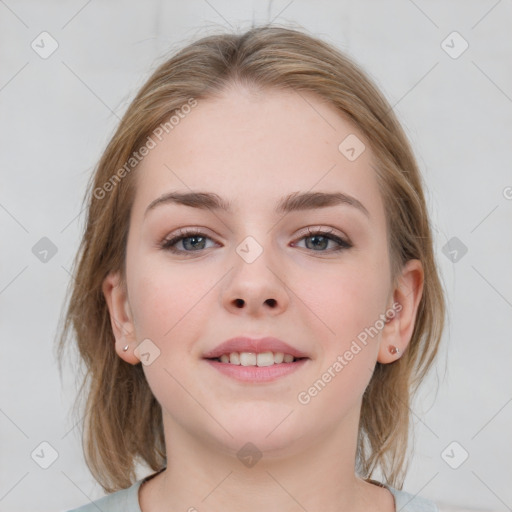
{"x": 121, "y": 319}
{"x": 397, "y": 331}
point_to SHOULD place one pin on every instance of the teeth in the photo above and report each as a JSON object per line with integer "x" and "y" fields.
{"x": 278, "y": 357}
{"x": 247, "y": 359}
{"x": 233, "y": 358}
{"x": 265, "y": 359}
{"x": 253, "y": 359}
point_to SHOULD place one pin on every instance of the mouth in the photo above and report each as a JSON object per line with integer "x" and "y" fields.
{"x": 262, "y": 359}
{"x": 254, "y": 374}
{"x": 249, "y": 351}
{"x": 254, "y": 360}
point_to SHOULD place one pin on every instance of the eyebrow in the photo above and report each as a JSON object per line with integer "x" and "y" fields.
{"x": 296, "y": 201}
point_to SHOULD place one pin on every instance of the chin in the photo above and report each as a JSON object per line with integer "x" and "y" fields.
{"x": 257, "y": 444}
{"x": 266, "y": 431}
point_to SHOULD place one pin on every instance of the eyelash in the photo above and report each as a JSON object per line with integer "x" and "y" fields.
{"x": 169, "y": 243}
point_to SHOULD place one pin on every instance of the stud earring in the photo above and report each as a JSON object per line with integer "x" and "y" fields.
{"x": 393, "y": 350}
{"x": 125, "y": 348}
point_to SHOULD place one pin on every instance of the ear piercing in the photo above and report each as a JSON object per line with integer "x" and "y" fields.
{"x": 393, "y": 350}
{"x": 125, "y": 348}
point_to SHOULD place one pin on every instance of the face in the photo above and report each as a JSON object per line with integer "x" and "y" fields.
{"x": 315, "y": 278}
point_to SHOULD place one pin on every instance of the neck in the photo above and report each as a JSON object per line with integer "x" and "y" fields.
{"x": 310, "y": 474}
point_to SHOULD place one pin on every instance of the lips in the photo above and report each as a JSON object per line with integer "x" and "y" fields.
{"x": 257, "y": 346}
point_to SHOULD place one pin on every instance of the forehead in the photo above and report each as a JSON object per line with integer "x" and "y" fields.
{"x": 253, "y": 147}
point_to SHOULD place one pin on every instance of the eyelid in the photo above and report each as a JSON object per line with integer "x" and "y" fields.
{"x": 169, "y": 242}
{"x": 309, "y": 230}
{"x": 188, "y": 232}
{"x": 325, "y": 230}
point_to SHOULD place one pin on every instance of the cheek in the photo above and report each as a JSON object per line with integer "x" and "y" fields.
{"x": 164, "y": 301}
{"x": 349, "y": 304}
{"x": 348, "y": 298}
{"x": 167, "y": 310}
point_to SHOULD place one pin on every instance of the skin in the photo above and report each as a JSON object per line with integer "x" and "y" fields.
{"x": 252, "y": 148}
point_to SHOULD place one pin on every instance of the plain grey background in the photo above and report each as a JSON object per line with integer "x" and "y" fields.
{"x": 445, "y": 68}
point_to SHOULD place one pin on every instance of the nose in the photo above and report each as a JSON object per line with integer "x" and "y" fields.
{"x": 255, "y": 288}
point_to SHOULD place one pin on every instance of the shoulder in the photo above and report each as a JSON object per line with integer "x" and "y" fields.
{"x": 125, "y": 500}
{"x": 406, "y": 502}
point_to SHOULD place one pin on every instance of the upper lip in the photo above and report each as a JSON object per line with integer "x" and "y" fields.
{"x": 246, "y": 344}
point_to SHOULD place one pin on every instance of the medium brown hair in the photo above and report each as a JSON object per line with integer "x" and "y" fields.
{"x": 123, "y": 420}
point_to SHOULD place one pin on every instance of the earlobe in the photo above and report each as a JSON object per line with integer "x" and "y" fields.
{"x": 120, "y": 317}
{"x": 398, "y": 330}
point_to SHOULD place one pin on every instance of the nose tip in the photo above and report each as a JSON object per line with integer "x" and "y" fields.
{"x": 256, "y": 288}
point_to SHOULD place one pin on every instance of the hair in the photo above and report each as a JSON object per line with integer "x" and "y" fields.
{"x": 123, "y": 420}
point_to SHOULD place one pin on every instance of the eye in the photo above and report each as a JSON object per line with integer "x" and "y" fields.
{"x": 194, "y": 240}
{"x": 191, "y": 240}
{"x": 320, "y": 239}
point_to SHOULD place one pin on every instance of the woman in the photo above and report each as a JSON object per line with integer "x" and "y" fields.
{"x": 256, "y": 296}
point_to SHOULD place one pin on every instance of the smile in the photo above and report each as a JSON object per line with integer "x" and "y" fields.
{"x": 257, "y": 367}
{"x": 256, "y": 359}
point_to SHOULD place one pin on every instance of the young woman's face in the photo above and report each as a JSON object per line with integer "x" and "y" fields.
{"x": 258, "y": 272}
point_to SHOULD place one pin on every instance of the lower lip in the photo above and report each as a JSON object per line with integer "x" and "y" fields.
{"x": 257, "y": 373}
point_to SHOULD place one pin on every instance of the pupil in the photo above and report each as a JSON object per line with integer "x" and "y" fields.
{"x": 316, "y": 237}
{"x": 193, "y": 238}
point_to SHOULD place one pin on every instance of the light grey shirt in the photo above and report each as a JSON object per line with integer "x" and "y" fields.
{"x": 127, "y": 500}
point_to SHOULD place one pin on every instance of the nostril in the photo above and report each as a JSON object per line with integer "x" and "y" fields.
{"x": 239, "y": 302}
{"x": 271, "y": 302}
